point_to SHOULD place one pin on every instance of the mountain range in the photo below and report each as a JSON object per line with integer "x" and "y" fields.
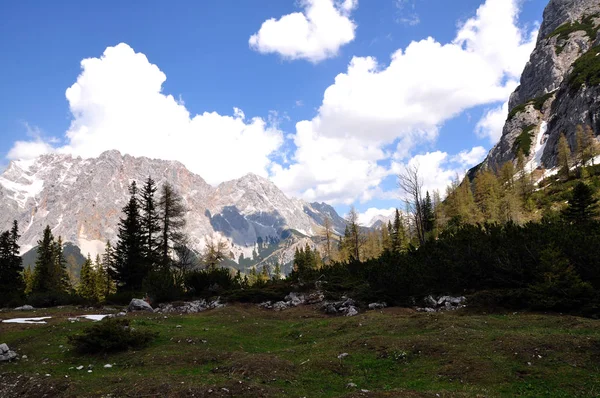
{"x": 81, "y": 200}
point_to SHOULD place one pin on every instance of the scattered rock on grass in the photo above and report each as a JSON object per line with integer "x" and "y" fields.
{"x": 139, "y": 305}
{"x": 6, "y": 354}
{"x": 377, "y": 306}
{"x": 444, "y": 303}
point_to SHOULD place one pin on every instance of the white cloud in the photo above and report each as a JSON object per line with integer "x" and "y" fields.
{"x": 117, "y": 103}
{"x": 315, "y": 34}
{"x": 373, "y": 214}
{"x": 372, "y": 106}
{"x": 438, "y": 169}
{"x": 471, "y": 158}
{"x": 492, "y": 123}
{"x": 25, "y": 150}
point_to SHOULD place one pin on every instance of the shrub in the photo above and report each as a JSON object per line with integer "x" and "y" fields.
{"x": 210, "y": 281}
{"x": 111, "y": 335}
{"x": 160, "y": 286}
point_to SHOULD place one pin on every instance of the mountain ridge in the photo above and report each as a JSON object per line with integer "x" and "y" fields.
{"x": 81, "y": 200}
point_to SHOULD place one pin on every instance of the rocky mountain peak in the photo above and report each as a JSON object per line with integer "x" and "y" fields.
{"x": 82, "y": 199}
{"x": 558, "y": 90}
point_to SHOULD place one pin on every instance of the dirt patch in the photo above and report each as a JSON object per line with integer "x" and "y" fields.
{"x": 265, "y": 367}
{"x": 15, "y": 385}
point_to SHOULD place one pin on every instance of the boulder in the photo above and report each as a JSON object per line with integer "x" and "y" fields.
{"x": 351, "y": 311}
{"x": 430, "y": 301}
{"x": 6, "y": 354}
{"x": 25, "y": 308}
{"x": 377, "y": 306}
{"x": 139, "y": 305}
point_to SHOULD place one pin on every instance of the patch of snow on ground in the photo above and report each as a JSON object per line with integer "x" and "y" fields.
{"x": 95, "y": 318}
{"x": 539, "y": 148}
{"x": 37, "y": 321}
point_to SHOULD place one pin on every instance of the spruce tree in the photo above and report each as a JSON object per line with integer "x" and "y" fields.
{"x": 130, "y": 268}
{"x": 277, "y": 272}
{"x": 87, "y": 285}
{"x": 399, "y": 239}
{"x": 583, "y": 207}
{"x": 11, "y": 265}
{"x": 428, "y": 214}
{"x": 60, "y": 276}
{"x": 172, "y": 220}
{"x": 150, "y": 224}
{"x": 44, "y": 264}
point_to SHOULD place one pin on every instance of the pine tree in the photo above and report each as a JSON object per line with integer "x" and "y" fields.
{"x": 386, "y": 239}
{"x": 60, "y": 276}
{"x": 564, "y": 157}
{"x": 172, "y": 219}
{"x": 150, "y": 224}
{"x": 11, "y": 265}
{"x": 45, "y": 263}
{"x": 581, "y": 148}
{"x": 428, "y": 214}
{"x": 399, "y": 240}
{"x": 87, "y": 285}
{"x": 277, "y": 272}
{"x": 583, "y": 207}
{"x": 28, "y": 279}
{"x": 129, "y": 267}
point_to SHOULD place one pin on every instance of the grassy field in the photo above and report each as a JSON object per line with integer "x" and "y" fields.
{"x": 245, "y": 351}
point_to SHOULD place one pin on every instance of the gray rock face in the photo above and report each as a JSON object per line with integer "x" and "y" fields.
{"x": 546, "y": 75}
{"x": 139, "y": 305}
{"x": 6, "y": 354}
{"x": 82, "y": 200}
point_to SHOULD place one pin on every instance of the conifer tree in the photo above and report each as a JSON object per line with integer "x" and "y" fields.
{"x": 129, "y": 266}
{"x": 172, "y": 222}
{"x": 592, "y": 148}
{"x": 150, "y": 224}
{"x": 564, "y": 157}
{"x": 11, "y": 265}
{"x": 583, "y": 207}
{"x": 487, "y": 196}
{"x": 60, "y": 275}
{"x": 328, "y": 231}
{"x": 354, "y": 240}
{"x": 28, "y": 279}
{"x": 277, "y": 272}
{"x": 386, "y": 240}
{"x": 87, "y": 285}
{"x": 399, "y": 239}
{"x": 428, "y": 214}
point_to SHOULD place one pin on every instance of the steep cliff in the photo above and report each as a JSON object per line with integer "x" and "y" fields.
{"x": 560, "y": 86}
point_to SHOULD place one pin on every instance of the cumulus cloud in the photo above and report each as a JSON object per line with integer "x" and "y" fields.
{"x": 407, "y": 15}
{"x": 315, "y": 34}
{"x": 406, "y": 102}
{"x": 438, "y": 169}
{"x": 368, "y": 217}
{"x": 25, "y": 150}
{"x": 117, "y": 103}
{"x": 471, "y": 158}
{"x": 492, "y": 123}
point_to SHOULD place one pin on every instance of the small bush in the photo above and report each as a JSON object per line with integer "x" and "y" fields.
{"x": 51, "y": 299}
{"x": 210, "y": 281}
{"x": 111, "y": 335}
{"x": 161, "y": 286}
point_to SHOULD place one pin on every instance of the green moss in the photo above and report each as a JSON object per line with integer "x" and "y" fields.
{"x": 586, "y": 70}
{"x": 586, "y": 24}
{"x": 524, "y": 140}
{"x": 538, "y": 104}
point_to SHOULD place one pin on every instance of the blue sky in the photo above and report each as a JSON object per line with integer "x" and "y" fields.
{"x": 321, "y": 107}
